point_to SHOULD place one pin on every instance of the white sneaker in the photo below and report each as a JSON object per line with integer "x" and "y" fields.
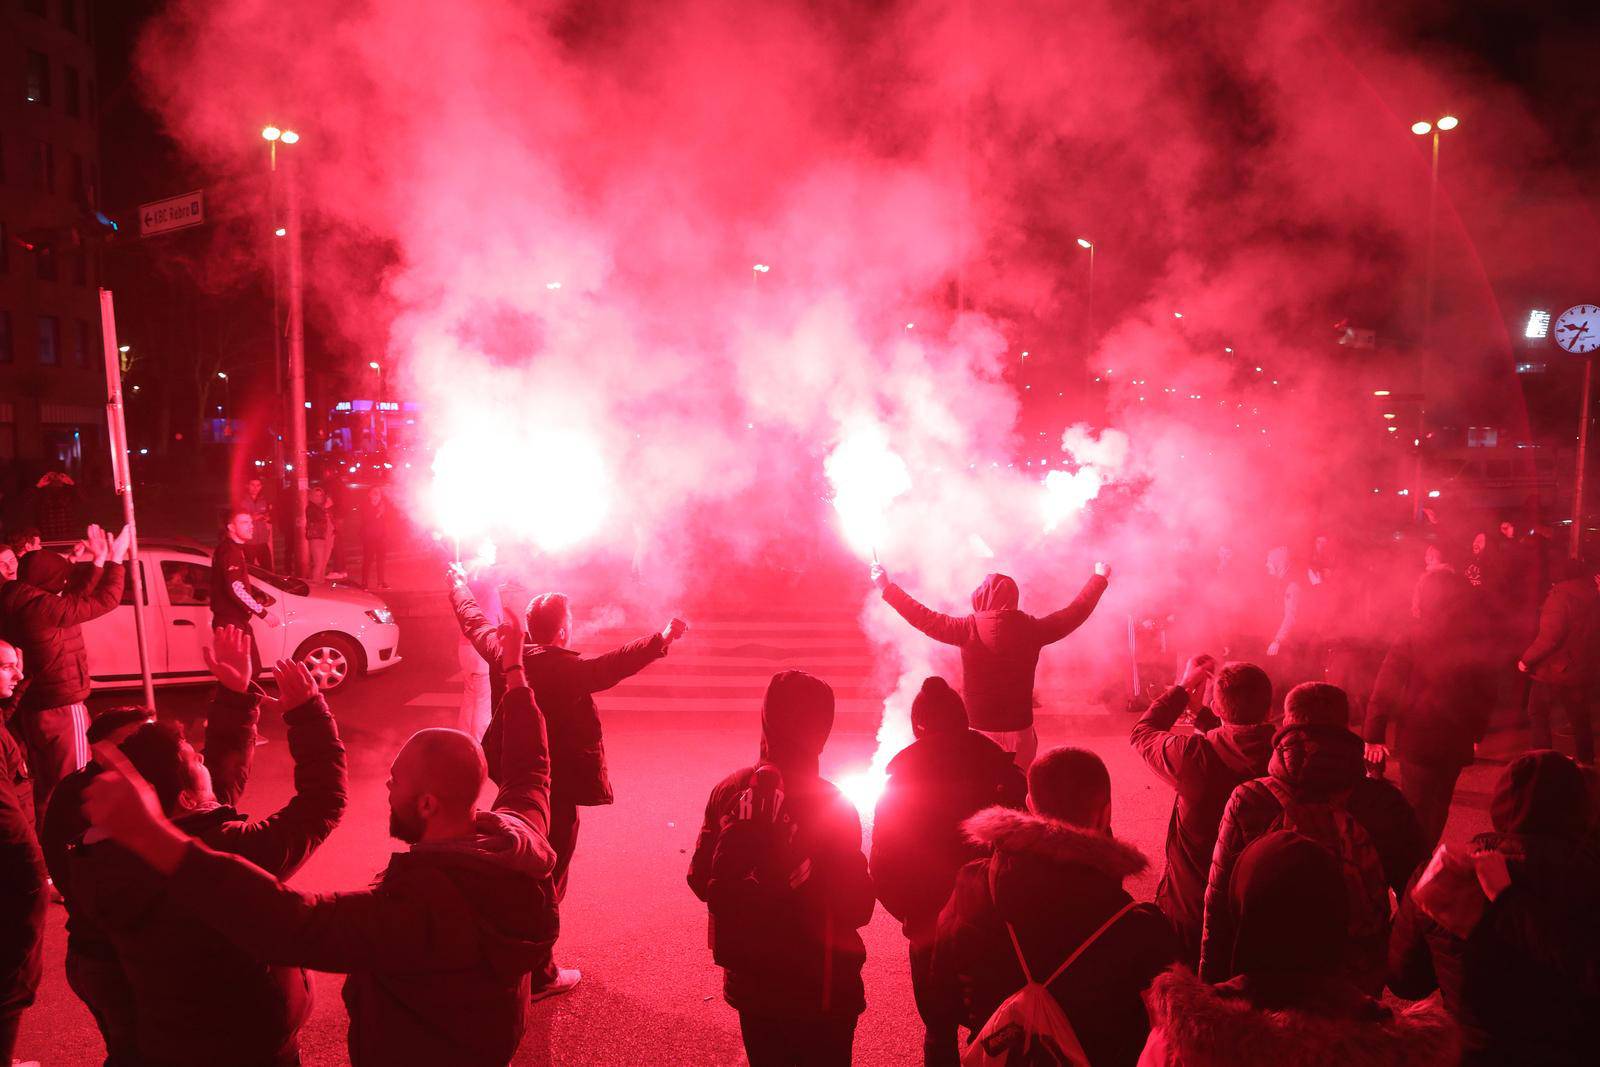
{"x": 567, "y": 979}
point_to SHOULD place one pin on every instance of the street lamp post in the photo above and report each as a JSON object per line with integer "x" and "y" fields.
{"x": 1445, "y": 124}
{"x": 1088, "y": 330}
{"x": 297, "y": 342}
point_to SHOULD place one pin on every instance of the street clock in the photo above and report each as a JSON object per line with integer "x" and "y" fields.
{"x": 1578, "y": 329}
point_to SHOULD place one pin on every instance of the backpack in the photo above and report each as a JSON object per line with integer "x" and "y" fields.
{"x": 1029, "y": 1029}
{"x": 1331, "y": 825}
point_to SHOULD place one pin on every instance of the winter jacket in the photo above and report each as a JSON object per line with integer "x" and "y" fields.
{"x": 13, "y": 756}
{"x": 918, "y": 844}
{"x": 1055, "y": 884}
{"x": 42, "y": 616}
{"x": 1437, "y": 685}
{"x": 197, "y": 999}
{"x": 1317, "y": 764}
{"x": 439, "y": 951}
{"x": 999, "y": 645}
{"x": 1525, "y": 982}
{"x": 564, "y": 684}
{"x": 1203, "y": 768}
{"x": 802, "y": 954}
{"x": 23, "y": 898}
{"x": 1567, "y": 648}
{"x": 1193, "y": 1024}
{"x": 234, "y": 601}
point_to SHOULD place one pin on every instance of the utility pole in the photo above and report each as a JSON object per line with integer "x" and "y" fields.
{"x": 297, "y": 369}
{"x": 1585, "y": 417}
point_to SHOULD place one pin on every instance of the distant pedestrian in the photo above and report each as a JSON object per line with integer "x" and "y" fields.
{"x": 57, "y": 506}
{"x": 1290, "y": 1002}
{"x": 319, "y": 531}
{"x": 1564, "y": 661}
{"x": 440, "y": 948}
{"x": 1000, "y": 648}
{"x": 1437, "y": 687}
{"x": 1203, "y": 767}
{"x": 258, "y": 549}
{"x": 42, "y": 614}
{"x": 234, "y": 600}
{"x": 377, "y": 533}
{"x": 946, "y": 775}
{"x": 1050, "y": 894}
{"x": 1316, "y": 785}
{"x": 778, "y": 862}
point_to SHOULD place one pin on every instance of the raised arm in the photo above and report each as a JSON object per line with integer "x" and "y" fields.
{"x": 937, "y": 625}
{"x": 524, "y": 749}
{"x": 232, "y": 717}
{"x": 1056, "y": 625}
{"x": 97, "y": 594}
{"x": 475, "y": 626}
{"x": 599, "y": 673}
{"x": 1166, "y": 753}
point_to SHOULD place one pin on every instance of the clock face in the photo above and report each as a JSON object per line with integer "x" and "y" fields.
{"x": 1578, "y": 329}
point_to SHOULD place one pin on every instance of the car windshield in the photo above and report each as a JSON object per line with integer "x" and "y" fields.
{"x": 283, "y": 582}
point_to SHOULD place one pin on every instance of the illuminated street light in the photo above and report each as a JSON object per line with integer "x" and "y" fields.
{"x": 761, "y": 268}
{"x": 222, "y": 375}
{"x": 124, "y": 349}
{"x": 374, "y": 365}
{"x": 1177, "y": 314}
{"x": 1085, "y": 243}
{"x": 1422, "y": 129}
{"x": 280, "y": 232}
{"x": 290, "y": 137}
{"x": 1388, "y": 414}
{"x": 1380, "y": 392}
{"x": 1448, "y": 122}
{"x": 271, "y": 133}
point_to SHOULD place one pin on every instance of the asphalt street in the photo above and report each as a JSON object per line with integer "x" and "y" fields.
{"x": 650, "y": 994}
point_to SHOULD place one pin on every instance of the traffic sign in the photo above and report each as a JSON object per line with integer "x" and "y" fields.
{"x": 173, "y": 213}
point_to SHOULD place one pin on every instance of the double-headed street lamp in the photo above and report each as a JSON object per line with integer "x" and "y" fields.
{"x": 274, "y": 135}
{"x": 1423, "y": 128}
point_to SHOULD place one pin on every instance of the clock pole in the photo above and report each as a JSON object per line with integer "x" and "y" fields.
{"x": 1584, "y": 418}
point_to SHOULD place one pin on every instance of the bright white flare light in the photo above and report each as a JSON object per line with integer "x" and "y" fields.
{"x": 863, "y": 788}
{"x": 543, "y": 485}
{"x": 867, "y": 476}
{"x": 1067, "y": 493}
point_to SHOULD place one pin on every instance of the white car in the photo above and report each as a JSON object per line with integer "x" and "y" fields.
{"x": 338, "y": 633}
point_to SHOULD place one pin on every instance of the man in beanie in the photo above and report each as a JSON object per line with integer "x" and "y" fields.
{"x": 946, "y": 775}
{"x": 1316, "y": 784}
{"x": 779, "y": 864}
{"x": 42, "y": 613}
{"x": 1523, "y": 980}
{"x": 1000, "y": 648}
{"x": 1203, "y": 767}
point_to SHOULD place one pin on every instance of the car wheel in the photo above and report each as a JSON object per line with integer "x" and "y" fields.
{"x": 332, "y": 659}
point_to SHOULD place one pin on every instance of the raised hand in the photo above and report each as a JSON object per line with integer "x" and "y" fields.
{"x": 674, "y": 630}
{"x": 121, "y": 544}
{"x": 81, "y": 553}
{"x": 1103, "y": 570}
{"x": 99, "y": 546}
{"x": 880, "y": 577}
{"x": 229, "y": 657}
{"x": 455, "y": 574}
{"x": 1198, "y": 670}
{"x": 295, "y": 684}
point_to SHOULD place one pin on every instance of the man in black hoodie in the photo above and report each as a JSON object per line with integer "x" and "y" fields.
{"x": 1521, "y": 973}
{"x": 946, "y": 775}
{"x": 196, "y": 999}
{"x": 1052, "y": 885}
{"x": 778, "y": 861}
{"x": 1316, "y": 782}
{"x": 1203, "y": 768}
{"x": 1000, "y": 649}
{"x": 42, "y": 613}
{"x": 440, "y": 950}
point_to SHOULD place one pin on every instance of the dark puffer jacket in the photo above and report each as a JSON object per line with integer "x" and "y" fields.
{"x": 999, "y": 645}
{"x": 805, "y": 954}
{"x": 918, "y": 844}
{"x": 1055, "y": 884}
{"x": 564, "y": 684}
{"x": 1566, "y": 650}
{"x": 1525, "y": 982}
{"x": 198, "y": 1000}
{"x": 1437, "y": 685}
{"x": 1204, "y": 769}
{"x": 1317, "y": 764}
{"x": 41, "y": 616}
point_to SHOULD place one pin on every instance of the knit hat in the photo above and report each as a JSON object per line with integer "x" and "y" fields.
{"x": 937, "y": 709}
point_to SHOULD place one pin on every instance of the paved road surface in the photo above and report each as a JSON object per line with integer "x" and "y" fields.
{"x": 650, "y": 994}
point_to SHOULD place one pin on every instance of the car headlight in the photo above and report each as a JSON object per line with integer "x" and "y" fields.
{"x": 381, "y": 615}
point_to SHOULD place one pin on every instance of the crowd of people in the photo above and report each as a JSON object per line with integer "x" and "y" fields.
{"x": 1305, "y": 910}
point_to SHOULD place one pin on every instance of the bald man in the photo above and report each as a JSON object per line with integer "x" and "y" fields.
{"x": 439, "y": 952}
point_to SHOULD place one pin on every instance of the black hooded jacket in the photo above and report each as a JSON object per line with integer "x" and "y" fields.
{"x": 41, "y": 613}
{"x": 999, "y": 645}
{"x": 1203, "y": 769}
{"x": 1055, "y": 884}
{"x": 1525, "y": 982}
{"x": 808, "y": 965}
{"x": 1317, "y": 764}
{"x": 439, "y": 951}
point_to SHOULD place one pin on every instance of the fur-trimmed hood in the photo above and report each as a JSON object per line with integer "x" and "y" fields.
{"x": 1196, "y": 1025}
{"x": 1008, "y": 830}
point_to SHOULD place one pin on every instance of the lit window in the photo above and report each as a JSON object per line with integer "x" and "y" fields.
{"x": 1538, "y": 324}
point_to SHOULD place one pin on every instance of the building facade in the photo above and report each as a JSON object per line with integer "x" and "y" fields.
{"x": 52, "y": 381}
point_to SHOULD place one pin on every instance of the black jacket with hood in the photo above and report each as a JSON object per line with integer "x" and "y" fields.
{"x": 1318, "y": 764}
{"x": 199, "y": 1000}
{"x": 1203, "y": 768}
{"x": 815, "y": 955}
{"x": 1055, "y": 884}
{"x": 42, "y": 612}
{"x": 999, "y": 645}
{"x": 564, "y": 684}
{"x": 439, "y": 951}
{"x": 1525, "y": 983}
{"x": 948, "y": 774}
{"x": 1566, "y": 650}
